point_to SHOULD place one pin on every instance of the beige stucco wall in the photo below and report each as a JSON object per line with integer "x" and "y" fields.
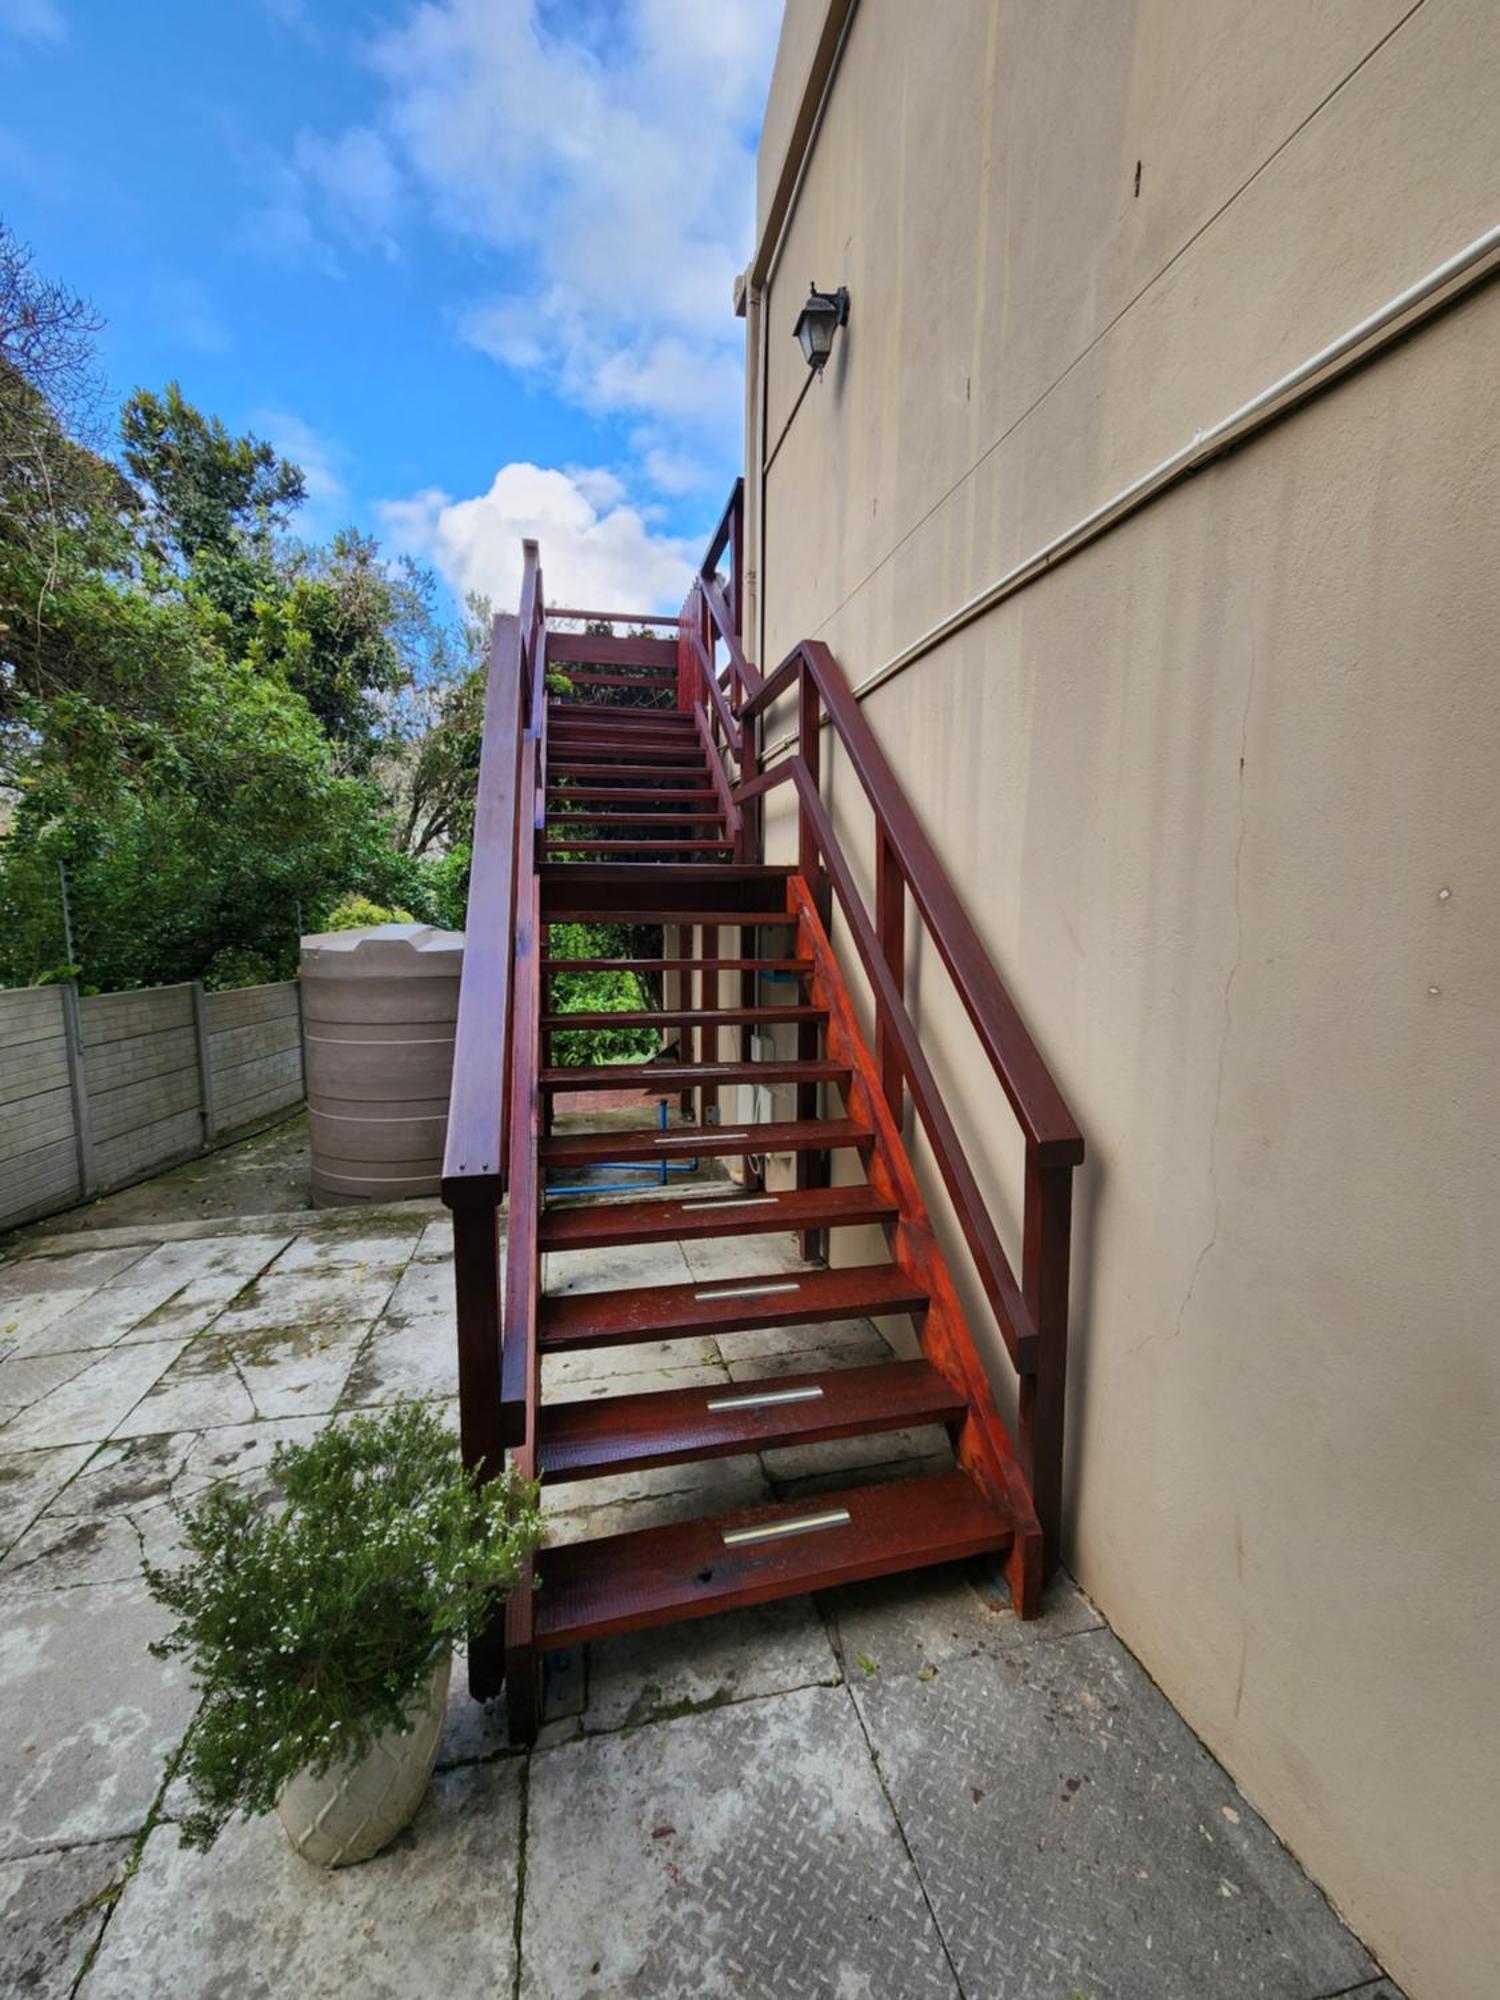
{"x": 1204, "y": 789}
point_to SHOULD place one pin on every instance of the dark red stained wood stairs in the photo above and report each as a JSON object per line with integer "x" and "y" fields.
{"x": 612, "y": 802}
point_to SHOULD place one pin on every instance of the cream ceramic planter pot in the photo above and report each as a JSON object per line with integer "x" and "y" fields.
{"x": 354, "y": 1810}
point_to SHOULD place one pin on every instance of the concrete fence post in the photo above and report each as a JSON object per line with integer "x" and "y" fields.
{"x": 83, "y": 1135}
{"x": 205, "y": 1062}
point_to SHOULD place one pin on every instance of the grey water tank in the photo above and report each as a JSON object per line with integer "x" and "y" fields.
{"x": 379, "y": 1007}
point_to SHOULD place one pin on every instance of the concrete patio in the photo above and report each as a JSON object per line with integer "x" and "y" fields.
{"x": 893, "y": 1792}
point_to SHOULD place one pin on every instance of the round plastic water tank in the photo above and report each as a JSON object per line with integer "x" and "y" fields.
{"x": 379, "y": 1008}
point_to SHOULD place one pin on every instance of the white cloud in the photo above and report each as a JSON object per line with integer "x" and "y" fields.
{"x": 358, "y": 181}
{"x": 39, "y": 21}
{"x": 606, "y": 154}
{"x": 674, "y": 472}
{"x": 596, "y": 551}
{"x": 321, "y": 460}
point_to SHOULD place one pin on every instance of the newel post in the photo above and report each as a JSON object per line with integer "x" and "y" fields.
{"x": 1046, "y": 1235}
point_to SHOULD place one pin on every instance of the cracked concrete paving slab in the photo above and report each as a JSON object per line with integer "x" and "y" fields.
{"x": 767, "y": 1649}
{"x": 1072, "y": 1833}
{"x": 226, "y": 1262}
{"x": 569, "y": 1272}
{"x": 842, "y": 1343}
{"x": 906, "y": 1624}
{"x": 641, "y": 1382}
{"x": 26, "y": 1319}
{"x": 234, "y": 1377}
{"x": 415, "y": 1357}
{"x": 70, "y": 1270}
{"x": 435, "y": 1242}
{"x": 742, "y": 1256}
{"x": 32, "y": 1480}
{"x": 115, "y": 1315}
{"x": 331, "y": 1249}
{"x": 746, "y": 1852}
{"x": 424, "y": 1291}
{"x": 202, "y": 1390}
{"x": 435, "y": 1913}
{"x": 298, "y": 1371}
{"x": 589, "y": 1508}
{"x": 121, "y": 1506}
{"x": 52, "y": 1907}
{"x": 88, "y": 1719}
{"x": 636, "y": 1357}
{"x": 308, "y": 1298}
{"x": 86, "y": 1407}
{"x": 27, "y": 1378}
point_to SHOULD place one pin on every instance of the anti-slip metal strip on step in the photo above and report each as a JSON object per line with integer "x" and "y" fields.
{"x": 746, "y": 1291}
{"x": 697, "y": 1138}
{"x": 778, "y": 1531}
{"x": 766, "y": 1399}
{"x": 735, "y": 1201}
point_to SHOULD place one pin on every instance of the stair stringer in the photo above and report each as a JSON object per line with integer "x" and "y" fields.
{"x": 983, "y": 1446}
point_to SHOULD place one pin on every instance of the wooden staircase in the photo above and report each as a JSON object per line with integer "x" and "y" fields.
{"x": 631, "y": 795}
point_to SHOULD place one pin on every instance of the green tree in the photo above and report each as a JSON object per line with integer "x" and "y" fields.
{"x": 337, "y": 631}
{"x": 214, "y": 502}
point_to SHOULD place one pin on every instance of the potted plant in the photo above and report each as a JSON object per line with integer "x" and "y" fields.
{"x": 318, "y": 1623}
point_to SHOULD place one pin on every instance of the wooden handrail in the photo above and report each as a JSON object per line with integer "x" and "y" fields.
{"x": 996, "y": 1274}
{"x": 723, "y": 619}
{"x": 1036, "y": 1100}
{"x": 715, "y": 694}
{"x": 474, "y": 1153}
{"x": 727, "y": 531}
{"x": 612, "y": 617}
{"x": 1032, "y": 1313}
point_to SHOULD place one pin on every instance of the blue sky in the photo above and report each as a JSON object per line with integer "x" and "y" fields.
{"x": 469, "y": 261}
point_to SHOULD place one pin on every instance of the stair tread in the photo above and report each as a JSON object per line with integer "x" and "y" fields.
{"x": 572, "y": 1320}
{"x": 687, "y": 1017}
{"x": 582, "y": 1440}
{"x": 797, "y": 965}
{"x": 619, "y": 1076}
{"x": 596, "y": 1226}
{"x": 654, "y": 1576}
{"x": 712, "y": 1142}
{"x": 619, "y": 793}
{"x": 634, "y": 912}
{"x": 596, "y": 767}
{"x": 689, "y": 844}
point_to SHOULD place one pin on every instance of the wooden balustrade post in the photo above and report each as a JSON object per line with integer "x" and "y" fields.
{"x": 809, "y": 747}
{"x": 476, "y": 1269}
{"x": 812, "y": 1168}
{"x": 737, "y": 562}
{"x": 890, "y": 927}
{"x": 1046, "y": 1233}
{"x": 708, "y": 1038}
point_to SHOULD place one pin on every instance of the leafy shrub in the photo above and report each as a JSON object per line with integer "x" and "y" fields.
{"x": 357, "y": 913}
{"x": 598, "y": 993}
{"x": 234, "y": 967}
{"x": 310, "y": 1625}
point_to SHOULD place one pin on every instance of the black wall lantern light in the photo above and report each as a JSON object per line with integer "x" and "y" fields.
{"x": 817, "y": 323}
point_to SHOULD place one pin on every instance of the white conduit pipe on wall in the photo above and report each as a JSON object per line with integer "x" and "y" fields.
{"x": 1398, "y": 317}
